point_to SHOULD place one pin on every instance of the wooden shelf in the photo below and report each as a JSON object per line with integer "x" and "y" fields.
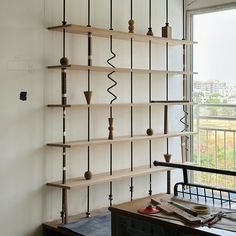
{"x": 106, "y": 177}
{"x": 118, "y": 139}
{"x": 79, "y": 29}
{"x": 99, "y": 105}
{"x": 120, "y": 70}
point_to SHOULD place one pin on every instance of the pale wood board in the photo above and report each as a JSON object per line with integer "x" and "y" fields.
{"x": 157, "y": 103}
{"x": 78, "y": 143}
{"x": 120, "y": 70}
{"x": 105, "y": 33}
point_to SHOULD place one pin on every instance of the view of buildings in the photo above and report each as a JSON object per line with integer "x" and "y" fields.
{"x": 213, "y": 91}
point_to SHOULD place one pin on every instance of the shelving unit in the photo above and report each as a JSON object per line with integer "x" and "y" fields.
{"x": 104, "y": 33}
{"x": 133, "y": 171}
{"x": 156, "y": 103}
{"x": 120, "y": 70}
{"x": 105, "y": 177}
{"x": 119, "y": 139}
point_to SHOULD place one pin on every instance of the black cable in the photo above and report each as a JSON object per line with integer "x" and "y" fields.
{"x": 150, "y": 13}
{"x": 64, "y": 13}
{"x": 131, "y": 9}
{"x": 89, "y": 15}
{"x": 111, "y": 15}
{"x": 167, "y": 11}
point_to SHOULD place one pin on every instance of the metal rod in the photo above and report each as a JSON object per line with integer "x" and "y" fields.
{"x": 111, "y": 15}
{"x": 88, "y": 109}
{"x": 131, "y": 115}
{"x": 114, "y": 98}
{"x": 131, "y": 9}
{"x": 150, "y": 111}
{"x": 64, "y": 13}
{"x": 150, "y": 13}
{"x": 89, "y": 15}
{"x": 195, "y": 168}
{"x": 167, "y": 10}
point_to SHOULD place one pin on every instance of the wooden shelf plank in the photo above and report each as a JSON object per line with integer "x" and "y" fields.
{"x": 99, "y": 105}
{"x": 106, "y": 177}
{"x": 79, "y": 29}
{"x": 120, "y": 70}
{"x": 118, "y": 139}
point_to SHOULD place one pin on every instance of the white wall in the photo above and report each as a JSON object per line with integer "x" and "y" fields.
{"x": 26, "y": 164}
{"x": 196, "y": 4}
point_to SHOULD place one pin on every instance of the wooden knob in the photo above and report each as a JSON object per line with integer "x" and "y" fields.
{"x": 131, "y": 26}
{"x": 88, "y": 175}
{"x": 64, "y": 61}
{"x": 149, "y": 132}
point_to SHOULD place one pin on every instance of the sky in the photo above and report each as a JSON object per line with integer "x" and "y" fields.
{"x": 215, "y": 53}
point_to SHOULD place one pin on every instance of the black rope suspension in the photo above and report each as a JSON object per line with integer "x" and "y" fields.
{"x": 64, "y": 63}
{"x": 150, "y": 131}
{"x": 111, "y": 119}
{"x": 150, "y": 19}
{"x": 88, "y": 94}
{"x": 131, "y": 109}
{"x": 166, "y": 32}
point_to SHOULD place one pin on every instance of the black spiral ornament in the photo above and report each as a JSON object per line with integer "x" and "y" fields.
{"x": 183, "y": 120}
{"x": 109, "y": 90}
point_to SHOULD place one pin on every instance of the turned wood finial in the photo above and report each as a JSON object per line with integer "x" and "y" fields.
{"x": 150, "y": 33}
{"x": 110, "y": 128}
{"x": 88, "y": 95}
{"x": 167, "y": 157}
{"x": 131, "y": 26}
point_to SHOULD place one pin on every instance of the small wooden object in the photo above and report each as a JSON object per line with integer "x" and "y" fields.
{"x": 110, "y": 128}
{"x": 88, "y": 95}
{"x": 150, "y": 33}
{"x": 88, "y": 175}
{"x": 149, "y": 132}
{"x": 183, "y": 148}
{"x": 167, "y": 157}
{"x": 167, "y": 31}
{"x": 131, "y": 26}
{"x": 64, "y": 61}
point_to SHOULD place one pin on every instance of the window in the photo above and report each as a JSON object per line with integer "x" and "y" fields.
{"x": 214, "y": 90}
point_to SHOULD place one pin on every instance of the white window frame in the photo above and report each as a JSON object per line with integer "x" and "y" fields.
{"x": 189, "y": 33}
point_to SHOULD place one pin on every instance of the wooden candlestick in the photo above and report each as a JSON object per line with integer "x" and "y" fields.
{"x": 88, "y": 95}
{"x": 150, "y": 33}
{"x": 167, "y": 31}
{"x": 110, "y": 128}
{"x": 131, "y": 26}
